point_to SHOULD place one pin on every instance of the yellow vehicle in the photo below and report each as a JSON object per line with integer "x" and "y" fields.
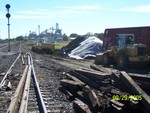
{"x": 124, "y": 53}
{"x": 44, "y": 47}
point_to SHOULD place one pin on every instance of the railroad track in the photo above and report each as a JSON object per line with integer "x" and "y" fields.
{"x": 23, "y": 92}
{"x": 2, "y": 46}
{"x": 27, "y": 93}
{"x": 7, "y": 83}
{"x": 32, "y": 95}
{"x": 117, "y": 85}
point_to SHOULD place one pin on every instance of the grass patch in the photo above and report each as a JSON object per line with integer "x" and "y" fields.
{"x": 59, "y": 45}
{"x": 30, "y": 42}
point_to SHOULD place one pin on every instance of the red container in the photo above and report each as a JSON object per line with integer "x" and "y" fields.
{"x": 142, "y": 36}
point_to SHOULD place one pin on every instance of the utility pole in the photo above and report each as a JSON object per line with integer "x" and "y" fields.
{"x": 8, "y": 16}
{"x": 39, "y": 34}
{"x": 39, "y": 29}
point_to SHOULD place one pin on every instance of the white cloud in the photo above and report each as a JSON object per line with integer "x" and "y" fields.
{"x": 145, "y": 9}
{"x": 29, "y": 17}
{"x": 58, "y": 12}
{"x": 78, "y": 10}
{"x": 34, "y": 12}
{"x": 86, "y": 7}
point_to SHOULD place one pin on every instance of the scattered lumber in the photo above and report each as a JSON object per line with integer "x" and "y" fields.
{"x": 145, "y": 78}
{"x": 2, "y": 74}
{"x": 81, "y": 95}
{"x": 100, "y": 68}
{"x": 9, "y": 86}
{"x": 81, "y": 107}
{"x": 68, "y": 94}
{"x": 117, "y": 106}
{"x": 118, "y": 92}
{"x": 75, "y": 79}
{"x": 86, "y": 88}
{"x": 135, "y": 89}
{"x": 94, "y": 74}
{"x": 116, "y": 109}
{"x": 67, "y": 82}
{"x": 94, "y": 99}
{"x": 73, "y": 85}
{"x": 99, "y": 96}
{"x": 85, "y": 79}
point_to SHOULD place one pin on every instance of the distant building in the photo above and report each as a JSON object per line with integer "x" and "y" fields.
{"x": 48, "y": 35}
{"x": 32, "y": 36}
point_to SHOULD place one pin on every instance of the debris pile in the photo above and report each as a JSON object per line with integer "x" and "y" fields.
{"x": 83, "y": 47}
{"x": 94, "y": 91}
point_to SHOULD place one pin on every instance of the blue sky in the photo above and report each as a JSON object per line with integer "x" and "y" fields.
{"x": 73, "y": 16}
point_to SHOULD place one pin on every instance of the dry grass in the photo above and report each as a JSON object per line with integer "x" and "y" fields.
{"x": 59, "y": 45}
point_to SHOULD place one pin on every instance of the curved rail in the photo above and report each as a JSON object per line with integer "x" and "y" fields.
{"x": 8, "y": 72}
{"x": 22, "y": 91}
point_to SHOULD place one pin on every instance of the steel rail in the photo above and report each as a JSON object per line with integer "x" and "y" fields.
{"x": 16, "y": 98}
{"x": 41, "y": 103}
{"x": 24, "y": 101}
{"x": 25, "y": 91}
{"x": 3, "y": 47}
{"x": 8, "y": 72}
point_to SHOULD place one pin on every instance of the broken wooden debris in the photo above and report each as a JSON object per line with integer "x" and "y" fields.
{"x": 86, "y": 89}
{"x": 116, "y": 109}
{"x": 98, "y": 102}
{"x": 100, "y": 68}
{"x": 135, "y": 89}
{"x": 85, "y": 79}
{"x": 2, "y": 74}
{"x": 72, "y": 85}
{"x": 81, "y": 107}
{"x": 68, "y": 94}
{"x": 9, "y": 86}
{"x": 67, "y": 82}
{"x": 81, "y": 95}
{"x": 94, "y": 74}
{"x": 145, "y": 78}
{"x": 118, "y": 92}
{"x": 94, "y": 99}
{"x": 75, "y": 79}
{"x": 117, "y": 103}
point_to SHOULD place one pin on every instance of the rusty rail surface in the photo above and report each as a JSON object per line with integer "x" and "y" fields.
{"x": 24, "y": 101}
{"x": 20, "y": 98}
{"x": 16, "y": 98}
{"x": 41, "y": 103}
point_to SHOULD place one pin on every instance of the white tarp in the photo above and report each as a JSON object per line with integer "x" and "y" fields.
{"x": 88, "y": 48}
